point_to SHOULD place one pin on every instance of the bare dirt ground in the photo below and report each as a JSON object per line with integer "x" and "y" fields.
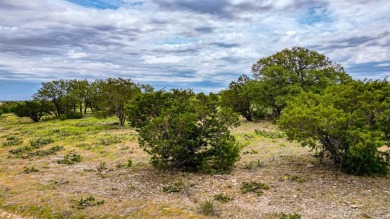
{"x": 298, "y": 183}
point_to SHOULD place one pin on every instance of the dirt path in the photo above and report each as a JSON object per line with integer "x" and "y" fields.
{"x": 6, "y": 215}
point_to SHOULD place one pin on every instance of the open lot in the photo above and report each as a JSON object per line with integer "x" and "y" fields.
{"x": 42, "y": 176}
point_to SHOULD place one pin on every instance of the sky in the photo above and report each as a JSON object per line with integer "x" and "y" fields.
{"x": 198, "y": 44}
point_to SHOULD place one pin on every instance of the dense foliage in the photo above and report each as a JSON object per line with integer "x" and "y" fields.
{"x": 33, "y": 109}
{"x": 237, "y": 98}
{"x": 187, "y": 132}
{"x": 289, "y": 72}
{"x": 103, "y": 97}
{"x": 348, "y": 123}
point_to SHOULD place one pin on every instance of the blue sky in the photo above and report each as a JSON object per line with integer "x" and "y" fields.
{"x": 181, "y": 43}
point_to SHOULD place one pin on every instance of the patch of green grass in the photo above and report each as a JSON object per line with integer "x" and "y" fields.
{"x": 253, "y": 186}
{"x": 12, "y": 140}
{"x": 111, "y": 139}
{"x": 270, "y": 134}
{"x": 40, "y": 142}
{"x": 42, "y": 153}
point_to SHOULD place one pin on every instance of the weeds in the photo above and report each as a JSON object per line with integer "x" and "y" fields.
{"x": 109, "y": 140}
{"x": 207, "y": 207}
{"x": 12, "y": 140}
{"x": 270, "y": 134}
{"x": 253, "y": 151}
{"x": 294, "y": 178}
{"x": 253, "y": 187}
{"x": 179, "y": 186}
{"x": 88, "y": 202}
{"x": 70, "y": 159}
{"x": 222, "y": 198}
{"x": 40, "y": 142}
{"x": 42, "y": 153}
{"x": 28, "y": 170}
{"x": 289, "y": 216}
{"x": 253, "y": 165}
{"x": 129, "y": 163}
{"x": 20, "y": 150}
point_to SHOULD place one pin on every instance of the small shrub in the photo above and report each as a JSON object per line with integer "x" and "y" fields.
{"x": 253, "y": 187}
{"x": 71, "y": 115}
{"x": 222, "y": 198}
{"x": 289, "y": 216}
{"x": 207, "y": 207}
{"x": 20, "y": 150}
{"x": 42, "y": 153}
{"x": 297, "y": 179}
{"x": 253, "y": 151}
{"x": 129, "y": 163}
{"x": 40, "y": 142}
{"x": 179, "y": 186}
{"x": 88, "y": 202}
{"x": 109, "y": 140}
{"x": 12, "y": 140}
{"x": 28, "y": 170}
{"x": 253, "y": 165}
{"x": 70, "y": 159}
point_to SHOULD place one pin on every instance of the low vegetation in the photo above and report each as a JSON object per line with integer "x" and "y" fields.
{"x": 179, "y": 148}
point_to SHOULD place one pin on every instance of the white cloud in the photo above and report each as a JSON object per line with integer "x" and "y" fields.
{"x": 183, "y": 41}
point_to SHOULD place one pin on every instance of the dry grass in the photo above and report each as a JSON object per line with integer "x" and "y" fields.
{"x": 298, "y": 183}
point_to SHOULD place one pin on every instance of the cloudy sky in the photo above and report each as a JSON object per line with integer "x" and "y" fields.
{"x": 181, "y": 43}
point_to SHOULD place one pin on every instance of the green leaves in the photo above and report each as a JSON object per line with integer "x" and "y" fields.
{"x": 188, "y": 131}
{"x": 289, "y": 72}
{"x": 347, "y": 123}
{"x": 33, "y": 109}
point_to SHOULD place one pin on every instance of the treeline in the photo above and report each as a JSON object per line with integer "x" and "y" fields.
{"x": 69, "y": 99}
{"x": 312, "y": 99}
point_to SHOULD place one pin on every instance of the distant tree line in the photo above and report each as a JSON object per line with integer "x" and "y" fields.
{"x": 311, "y": 98}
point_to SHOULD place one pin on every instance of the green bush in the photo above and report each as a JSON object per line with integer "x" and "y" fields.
{"x": 348, "y": 123}
{"x": 190, "y": 133}
{"x": 71, "y": 115}
{"x": 33, "y": 109}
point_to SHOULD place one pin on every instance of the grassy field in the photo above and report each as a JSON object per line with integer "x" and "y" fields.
{"x": 91, "y": 168}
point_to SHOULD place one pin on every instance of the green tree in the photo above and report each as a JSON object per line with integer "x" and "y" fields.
{"x": 113, "y": 94}
{"x": 285, "y": 74}
{"x": 347, "y": 123}
{"x": 54, "y": 91}
{"x": 33, "y": 109}
{"x": 146, "y": 106}
{"x": 187, "y": 132}
{"x": 238, "y": 99}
